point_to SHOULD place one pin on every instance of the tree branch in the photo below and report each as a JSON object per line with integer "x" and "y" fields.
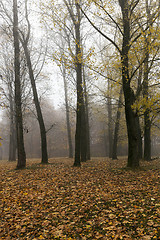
{"x": 98, "y": 30}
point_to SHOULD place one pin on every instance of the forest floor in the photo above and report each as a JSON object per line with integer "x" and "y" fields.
{"x": 100, "y": 200}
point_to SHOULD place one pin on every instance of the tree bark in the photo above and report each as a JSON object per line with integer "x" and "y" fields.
{"x": 80, "y": 150}
{"x": 131, "y": 115}
{"x": 147, "y": 122}
{"x": 132, "y": 129}
{"x": 147, "y": 136}
{"x": 78, "y": 138}
{"x": 77, "y": 161}
{"x": 140, "y": 145}
{"x": 18, "y": 103}
{"x": 12, "y": 144}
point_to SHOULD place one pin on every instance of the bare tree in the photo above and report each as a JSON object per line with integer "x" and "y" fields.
{"x": 24, "y": 39}
{"x": 18, "y": 102}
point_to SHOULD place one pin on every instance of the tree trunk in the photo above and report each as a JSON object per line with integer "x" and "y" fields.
{"x": 88, "y": 154}
{"x": 12, "y": 136}
{"x": 147, "y": 122}
{"x": 44, "y": 153}
{"x": 83, "y": 133}
{"x": 105, "y": 137}
{"x": 12, "y": 141}
{"x": 132, "y": 130}
{"x": 77, "y": 160}
{"x": 18, "y": 103}
{"x": 87, "y": 133}
{"x": 80, "y": 150}
{"x": 140, "y": 145}
{"x": 68, "y": 118}
{"x": 147, "y": 136}
{"x": 116, "y": 129}
{"x": 131, "y": 116}
{"x": 110, "y": 130}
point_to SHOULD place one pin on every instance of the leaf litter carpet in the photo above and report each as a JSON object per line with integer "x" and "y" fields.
{"x": 100, "y": 200}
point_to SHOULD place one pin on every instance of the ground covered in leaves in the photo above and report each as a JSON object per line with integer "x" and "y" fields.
{"x": 100, "y": 200}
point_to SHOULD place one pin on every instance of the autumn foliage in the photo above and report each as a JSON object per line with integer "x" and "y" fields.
{"x": 100, "y": 200}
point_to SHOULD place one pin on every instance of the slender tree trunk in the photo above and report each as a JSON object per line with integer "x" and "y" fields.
{"x": 110, "y": 130}
{"x": 68, "y": 118}
{"x": 18, "y": 103}
{"x": 147, "y": 122}
{"x": 87, "y": 128}
{"x": 12, "y": 136}
{"x": 105, "y": 137}
{"x": 147, "y": 136}
{"x": 31, "y": 145}
{"x": 88, "y": 154}
{"x": 44, "y": 153}
{"x": 80, "y": 150}
{"x": 77, "y": 161}
{"x": 140, "y": 145}
{"x": 116, "y": 129}
{"x": 78, "y": 136}
{"x": 83, "y": 133}
{"x": 131, "y": 116}
{"x": 12, "y": 144}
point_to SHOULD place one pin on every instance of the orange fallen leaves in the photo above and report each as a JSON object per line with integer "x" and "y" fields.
{"x": 100, "y": 200}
